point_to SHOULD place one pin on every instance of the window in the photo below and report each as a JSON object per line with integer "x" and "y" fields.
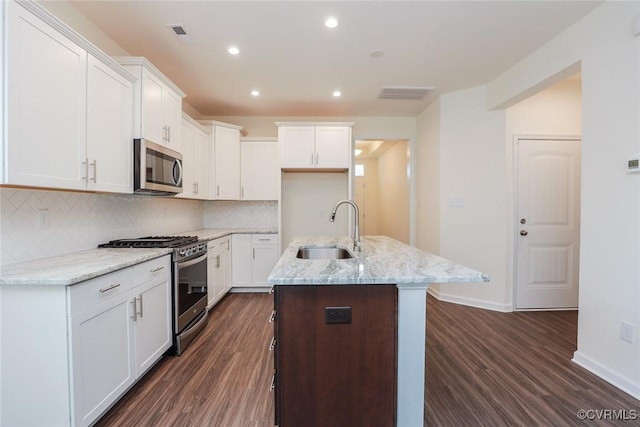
{"x": 359, "y": 170}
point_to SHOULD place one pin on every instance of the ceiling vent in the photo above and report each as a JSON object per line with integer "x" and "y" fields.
{"x": 180, "y": 32}
{"x": 404, "y": 92}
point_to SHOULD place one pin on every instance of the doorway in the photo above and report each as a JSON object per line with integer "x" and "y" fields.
{"x": 382, "y": 187}
{"x": 548, "y": 222}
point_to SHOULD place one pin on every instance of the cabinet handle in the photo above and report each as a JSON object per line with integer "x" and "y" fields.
{"x": 217, "y": 191}
{"x": 141, "y": 315}
{"x": 272, "y": 317}
{"x": 195, "y": 188}
{"x": 254, "y": 253}
{"x": 164, "y": 133}
{"x": 157, "y": 269}
{"x": 135, "y": 310}
{"x": 95, "y": 170}
{"x": 264, "y": 240}
{"x": 168, "y": 133}
{"x": 273, "y": 383}
{"x": 242, "y": 192}
{"x": 273, "y": 344}
{"x": 85, "y": 171}
{"x": 115, "y": 285}
{"x": 316, "y": 159}
{"x": 218, "y": 261}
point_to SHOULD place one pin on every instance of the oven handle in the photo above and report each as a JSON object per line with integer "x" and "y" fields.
{"x": 191, "y": 262}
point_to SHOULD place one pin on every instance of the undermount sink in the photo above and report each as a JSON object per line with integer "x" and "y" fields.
{"x": 323, "y": 252}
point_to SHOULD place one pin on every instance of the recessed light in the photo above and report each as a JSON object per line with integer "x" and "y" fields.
{"x": 337, "y": 94}
{"x": 376, "y": 54}
{"x": 331, "y": 22}
{"x": 255, "y": 93}
{"x": 233, "y": 50}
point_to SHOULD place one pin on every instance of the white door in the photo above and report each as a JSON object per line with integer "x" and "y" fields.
{"x": 548, "y": 224}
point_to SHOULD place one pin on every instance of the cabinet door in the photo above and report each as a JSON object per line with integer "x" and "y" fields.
{"x": 152, "y": 325}
{"x": 259, "y": 170}
{"x": 297, "y": 146}
{"x": 188, "y": 161}
{"x": 201, "y": 156}
{"x": 241, "y": 259}
{"x": 109, "y": 129}
{"x": 264, "y": 259}
{"x": 333, "y": 147}
{"x": 212, "y": 267}
{"x": 172, "y": 114}
{"x": 225, "y": 263}
{"x": 227, "y": 163}
{"x": 153, "y": 126}
{"x": 46, "y": 109}
{"x": 102, "y": 349}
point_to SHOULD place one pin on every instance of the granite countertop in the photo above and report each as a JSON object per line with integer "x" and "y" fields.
{"x": 76, "y": 267}
{"x": 382, "y": 261}
{"x": 215, "y": 233}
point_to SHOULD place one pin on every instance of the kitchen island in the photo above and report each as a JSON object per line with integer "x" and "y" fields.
{"x": 319, "y": 295}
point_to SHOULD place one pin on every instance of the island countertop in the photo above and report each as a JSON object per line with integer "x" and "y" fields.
{"x": 382, "y": 260}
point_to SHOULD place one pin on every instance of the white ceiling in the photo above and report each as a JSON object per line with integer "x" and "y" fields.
{"x": 296, "y": 63}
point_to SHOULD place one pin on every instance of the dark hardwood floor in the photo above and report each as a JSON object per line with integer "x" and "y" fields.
{"x": 483, "y": 369}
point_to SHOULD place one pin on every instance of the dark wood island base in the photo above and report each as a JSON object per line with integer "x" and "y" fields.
{"x": 336, "y": 355}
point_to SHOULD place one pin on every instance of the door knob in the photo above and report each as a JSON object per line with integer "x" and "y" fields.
{"x": 523, "y": 232}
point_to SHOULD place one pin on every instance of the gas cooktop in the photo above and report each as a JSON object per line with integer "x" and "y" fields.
{"x": 151, "y": 242}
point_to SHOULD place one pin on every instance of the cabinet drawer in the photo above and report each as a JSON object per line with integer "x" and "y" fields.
{"x": 159, "y": 267}
{"x": 219, "y": 243}
{"x": 264, "y": 239}
{"x": 92, "y": 292}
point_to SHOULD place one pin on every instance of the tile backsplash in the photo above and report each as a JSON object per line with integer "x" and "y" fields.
{"x": 245, "y": 214}
{"x": 40, "y": 223}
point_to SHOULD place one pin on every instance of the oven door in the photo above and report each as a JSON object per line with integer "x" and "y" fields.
{"x": 190, "y": 291}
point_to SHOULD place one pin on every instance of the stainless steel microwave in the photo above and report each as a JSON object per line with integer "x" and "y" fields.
{"x": 157, "y": 170}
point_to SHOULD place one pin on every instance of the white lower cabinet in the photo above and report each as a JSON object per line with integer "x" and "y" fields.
{"x": 218, "y": 269}
{"x": 253, "y": 257}
{"x": 79, "y": 348}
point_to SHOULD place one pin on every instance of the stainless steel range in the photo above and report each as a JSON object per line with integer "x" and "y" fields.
{"x": 189, "y": 287}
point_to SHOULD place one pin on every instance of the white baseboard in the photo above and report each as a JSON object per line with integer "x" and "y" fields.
{"x": 606, "y": 374}
{"x": 471, "y": 302}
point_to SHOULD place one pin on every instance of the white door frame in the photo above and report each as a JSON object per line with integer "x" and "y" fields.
{"x": 514, "y": 210}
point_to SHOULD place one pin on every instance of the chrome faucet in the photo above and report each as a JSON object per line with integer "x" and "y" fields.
{"x": 356, "y": 231}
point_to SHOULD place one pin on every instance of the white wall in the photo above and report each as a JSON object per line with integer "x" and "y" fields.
{"x": 427, "y": 170}
{"x": 472, "y": 165}
{"x": 610, "y": 225}
{"x": 371, "y": 206}
{"x": 394, "y": 192}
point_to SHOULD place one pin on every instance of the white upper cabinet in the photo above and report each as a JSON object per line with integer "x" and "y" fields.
{"x": 109, "y": 129}
{"x": 297, "y": 146}
{"x": 315, "y": 145}
{"x": 196, "y": 147}
{"x": 65, "y": 100}
{"x": 157, "y": 103}
{"x": 225, "y": 160}
{"x": 333, "y": 147}
{"x": 259, "y": 169}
